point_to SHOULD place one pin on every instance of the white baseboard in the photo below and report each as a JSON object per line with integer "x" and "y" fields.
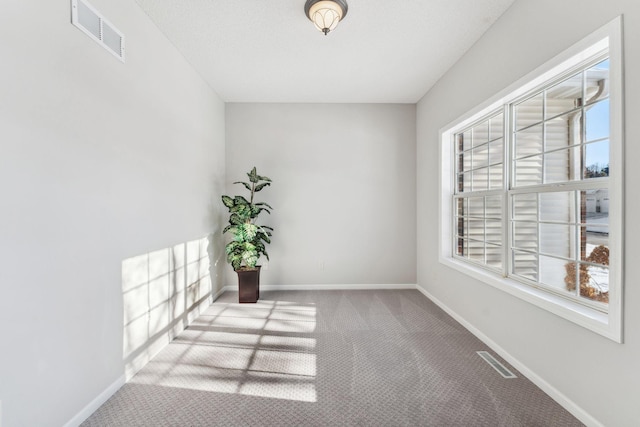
{"x": 554, "y": 393}
{"x": 134, "y": 366}
{"x": 338, "y": 287}
{"x": 220, "y": 292}
{"x": 95, "y": 403}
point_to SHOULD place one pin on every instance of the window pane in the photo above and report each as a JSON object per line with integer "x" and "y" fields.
{"x": 525, "y": 265}
{"x": 476, "y": 229}
{"x": 496, "y": 127}
{"x": 597, "y": 254}
{"x": 596, "y": 208}
{"x": 476, "y": 250}
{"x": 465, "y": 229}
{"x": 496, "y": 151}
{"x": 460, "y": 207}
{"x": 597, "y": 120}
{"x": 480, "y": 134}
{"x": 493, "y": 207}
{"x": 563, "y": 131}
{"x": 564, "y": 96}
{"x": 596, "y": 159}
{"x": 494, "y": 231}
{"x": 462, "y": 230}
{"x": 494, "y": 256}
{"x": 466, "y": 140}
{"x": 571, "y": 277}
{"x": 480, "y": 179}
{"x": 495, "y": 177}
{"x": 595, "y": 235}
{"x": 525, "y": 235}
{"x": 457, "y": 145}
{"x": 461, "y": 247}
{"x": 559, "y": 165}
{"x": 528, "y": 112}
{"x": 597, "y": 81}
{"x": 465, "y": 182}
{"x": 528, "y": 171}
{"x": 475, "y": 207}
{"x": 480, "y": 156}
{"x": 553, "y": 272}
{"x": 525, "y": 207}
{"x": 529, "y": 141}
{"x": 464, "y": 161}
{"x": 595, "y": 283}
{"x": 558, "y": 207}
{"x": 558, "y": 240}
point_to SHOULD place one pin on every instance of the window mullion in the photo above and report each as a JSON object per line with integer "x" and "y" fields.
{"x": 507, "y": 208}
{"x": 578, "y": 248}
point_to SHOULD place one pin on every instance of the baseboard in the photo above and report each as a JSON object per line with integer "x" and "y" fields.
{"x": 156, "y": 343}
{"x": 220, "y": 292}
{"x": 95, "y": 403}
{"x": 554, "y": 393}
{"x": 132, "y": 368}
{"x": 335, "y": 287}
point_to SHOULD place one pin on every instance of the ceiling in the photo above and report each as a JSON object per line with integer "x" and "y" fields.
{"x": 384, "y": 51}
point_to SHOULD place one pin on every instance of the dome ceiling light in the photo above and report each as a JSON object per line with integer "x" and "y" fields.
{"x": 325, "y": 14}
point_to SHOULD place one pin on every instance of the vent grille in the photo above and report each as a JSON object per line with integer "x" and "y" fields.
{"x": 92, "y": 23}
{"x": 502, "y": 370}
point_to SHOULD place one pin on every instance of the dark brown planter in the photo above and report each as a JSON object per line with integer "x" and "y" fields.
{"x": 249, "y": 285}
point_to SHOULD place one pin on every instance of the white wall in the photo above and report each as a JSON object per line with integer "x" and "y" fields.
{"x": 99, "y": 162}
{"x": 596, "y": 374}
{"x": 343, "y": 189}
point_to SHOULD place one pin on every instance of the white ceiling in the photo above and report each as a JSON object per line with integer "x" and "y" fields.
{"x": 384, "y": 51}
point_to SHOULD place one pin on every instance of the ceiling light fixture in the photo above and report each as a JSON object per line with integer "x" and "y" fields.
{"x": 325, "y": 14}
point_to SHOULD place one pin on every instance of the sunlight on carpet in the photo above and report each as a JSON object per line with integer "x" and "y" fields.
{"x": 262, "y": 349}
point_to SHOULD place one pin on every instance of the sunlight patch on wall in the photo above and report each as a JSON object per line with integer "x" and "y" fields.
{"x": 162, "y": 292}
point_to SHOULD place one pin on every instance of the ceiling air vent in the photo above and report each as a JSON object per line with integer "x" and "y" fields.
{"x": 93, "y": 24}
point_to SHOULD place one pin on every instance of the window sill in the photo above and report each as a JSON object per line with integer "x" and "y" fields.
{"x": 589, "y": 318}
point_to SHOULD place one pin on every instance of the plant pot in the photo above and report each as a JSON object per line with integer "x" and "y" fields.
{"x": 249, "y": 285}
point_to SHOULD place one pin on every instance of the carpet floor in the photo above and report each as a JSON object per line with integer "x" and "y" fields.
{"x": 327, "y": 358}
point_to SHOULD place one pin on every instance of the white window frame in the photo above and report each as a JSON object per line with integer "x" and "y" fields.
{"x": 608, "y": 324}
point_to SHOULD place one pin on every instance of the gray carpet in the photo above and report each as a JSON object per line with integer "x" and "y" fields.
{"x": 327, "y": 358}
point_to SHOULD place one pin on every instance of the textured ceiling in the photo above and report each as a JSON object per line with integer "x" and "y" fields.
{"x": 389, "y": 51}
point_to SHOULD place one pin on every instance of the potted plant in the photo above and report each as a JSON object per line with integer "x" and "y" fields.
{"x": 249, "y": 238}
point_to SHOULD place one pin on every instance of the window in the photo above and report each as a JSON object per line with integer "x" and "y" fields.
{"x": 531, "y": 177}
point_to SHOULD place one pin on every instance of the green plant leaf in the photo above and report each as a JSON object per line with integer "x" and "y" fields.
{"x": 236, "y": 219}
{"x": 261, "y": 186}
{"x": 239, "y": 200}
{"x": 229, "y": 227}
{"x": 247, "y": 186}
{"x": 253, "y": 175}
{"x": 263, "y": 204}
{"x": 255, "y": 211}
{"x": 228, "y": 201}
{"x": 264, "y": 178}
